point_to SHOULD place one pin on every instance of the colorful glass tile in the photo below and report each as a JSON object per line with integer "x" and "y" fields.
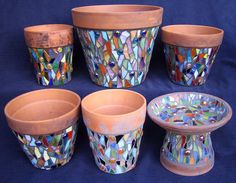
{"x": 188, "y": 149}
{"x": 189, "y": 109}
{"x": 53, "y": 66}
{"x": 118, "y": 59}
{"x": 49, "y": 151}
{"x": 189, "y": 66}
{"x": 115, "y": 154}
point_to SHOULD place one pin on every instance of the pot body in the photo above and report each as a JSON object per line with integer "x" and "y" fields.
{"x": 52, "y": 66}
{"x": 115, "y": 154}
{"x": 49, "y": 151}
{"x": 118, "y": 58}
{"x": 189, "y": 66}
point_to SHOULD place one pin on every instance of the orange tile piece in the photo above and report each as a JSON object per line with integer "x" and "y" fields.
{"x": 116, "y": 42}
{"x": 103, "y": 69}
{"x": 201, "y": 55}
{"x": 127, "y": 84}
{"x": 180, "y": 58}
{"x": 108, "y": 45}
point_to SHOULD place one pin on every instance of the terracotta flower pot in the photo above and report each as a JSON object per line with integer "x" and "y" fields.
{"x": 189, "y": 119}
{"x": 114, "y": 121}
{"x": 117, "y": 41}
{"x": 45, "y": 124}
{"x": 190, "y": 51}
{"x": 51, "y": 50}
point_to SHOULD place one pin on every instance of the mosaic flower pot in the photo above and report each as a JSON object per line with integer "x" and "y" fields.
{"x": 45, "y": 124}
{"x": 117, "y": 41}
{"x": 51, "y": 50}
{"x": 190, "y": 51}
{"x": 114, "y": 121}
{"x": 189, "y": 118}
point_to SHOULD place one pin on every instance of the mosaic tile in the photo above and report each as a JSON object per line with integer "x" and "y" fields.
{"x": 118, "y": 59}
{"x": 53, "y": 66}
{"x": 190, "y": 109}
{"x": 115, "y": 154}
{"x": 188, "y": 149}
{"x": 189, "y": 66}
{"x": 49, "y": 151}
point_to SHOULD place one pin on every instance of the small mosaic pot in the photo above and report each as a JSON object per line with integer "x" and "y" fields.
{"x": 190, "y": 51}
{"x": 45, "y": 124}
{"x": 51, "y": 50}
{"x": 114, "y": 121}
{"x": 189, "y": 118}
{"x": 117, "y": 41}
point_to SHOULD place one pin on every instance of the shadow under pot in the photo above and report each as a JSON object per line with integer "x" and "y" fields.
{"x": 114, "y": 121}
{"x": 51, "y": 51}
{"x": 190, "y": 51}
{"x": 45, "y": 124}
{"x": 189, "y": 118}
{"x": 117, "y": 41}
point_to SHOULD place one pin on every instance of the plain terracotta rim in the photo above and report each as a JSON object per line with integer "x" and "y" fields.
{"x": 39, "y": 127}
{"x": 117, "y": 17}
{"x": 48, "y": 35}
{"x": 114, "y": 124}
{"x": 189, "y": 129}
{"x": 199, "y": 36}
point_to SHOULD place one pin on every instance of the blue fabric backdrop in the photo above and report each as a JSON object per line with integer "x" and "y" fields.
{"x": 16, "y": 77}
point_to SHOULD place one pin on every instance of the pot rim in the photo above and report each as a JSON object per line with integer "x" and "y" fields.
{"x": 48, "y": 35}
{"x": 190, "y": 129}
{"x": 192, "y": 36}
{"x": 41, "y": 127}
{"x": 114, "y": 17}
{"x": 114, "y": 124}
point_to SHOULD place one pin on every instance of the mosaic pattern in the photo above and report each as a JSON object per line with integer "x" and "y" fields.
{"x": 189, "y": 66}
{"x": 115, "y": 154}
{"x": 188, "y": 149}
{"x": 118, "y": 59}
{"x": 53, "y": 66}
{"x": 189, "y": 109}
{"x": 49, "y": 151}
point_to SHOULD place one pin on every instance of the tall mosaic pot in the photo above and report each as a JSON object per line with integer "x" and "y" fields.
{"x": 190, "y": 51}
{"x": 117, "y": 41}
{"x": 114, "y": 121}
{"x": 189, "y": 118}
{"x": 45, "y": 124}
{"x": 51, "y": 51}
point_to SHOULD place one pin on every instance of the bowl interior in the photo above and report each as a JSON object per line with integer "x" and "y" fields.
{"x": 113, "y": 102}
{"x": 188, "y": 109}
{"x": 42, "y": 105}
{"x": 192, "y": 29}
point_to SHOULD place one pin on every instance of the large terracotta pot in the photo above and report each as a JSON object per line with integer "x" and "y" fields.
{"x": 114, "y": 121}
{"x": 117, "y": 41}
{"x": 45, "y": 124}
{"x": 190, "y": 51}
{"x": 51, "y": 50}
{"x": 189, "y": 118}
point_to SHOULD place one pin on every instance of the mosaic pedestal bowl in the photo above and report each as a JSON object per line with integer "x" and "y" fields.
{"x": 51, "y": 50}
{"x": 117, "y": 41}
{"x": 45, "y": 124}
{"x": 114, "y": 121}
{"x": 189, "y": 119}
{"x": 190, "y": 51}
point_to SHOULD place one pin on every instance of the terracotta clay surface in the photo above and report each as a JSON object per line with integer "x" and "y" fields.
{"x": 43, "y": 111}
{"x": 117, "y": 17}
{"x": 192, "y": 36}
{"x": 48, "y": 36}
{"x": 189, "y": 129}
{"x": 114, "y": 112}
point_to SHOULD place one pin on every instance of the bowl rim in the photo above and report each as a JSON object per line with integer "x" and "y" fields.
{"x": 189, "y": 129}
{"x": 48, "y": 35}
{"x": 148, "y": 16}
{"x": 178, "y": 35}
{"x": 39, "y": 127}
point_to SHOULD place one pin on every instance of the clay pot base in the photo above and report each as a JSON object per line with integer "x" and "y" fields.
{"x": 188, "y": 118}
{"x": 186, "y": 170}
